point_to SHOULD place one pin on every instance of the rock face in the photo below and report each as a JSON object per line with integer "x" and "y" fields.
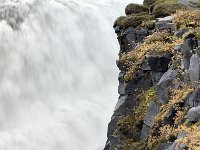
{"x": 162, "y": 95}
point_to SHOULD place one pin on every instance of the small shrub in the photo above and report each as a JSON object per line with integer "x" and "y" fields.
{"x": 135, "y": 9}
{"x": 158, "y": 37}
{"x": 166, "y": 9}
{"x": 129, "y": 123}
{"x": 150, "y": 25}
{"x": 135, "y": 20}
{"x": 118, "y": 21}
{"x": 185, "y": 19}
{"x": 132, "y": 20}
{"x": 148, "y": 2}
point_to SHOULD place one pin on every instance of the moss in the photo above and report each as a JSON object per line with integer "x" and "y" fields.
{"x": 166, "y": 9}
{"x": 197, "y": 4}
{"x": 118, "y": 21}
{"x": 148, "y": 2}
{"x": 132, "y": 20}
{"x": 135, "y": 9}
{"x": 150, "y": 25}
{"x": 135, "y": 20}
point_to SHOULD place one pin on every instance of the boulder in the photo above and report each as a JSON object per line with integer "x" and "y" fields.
{"x": 194, "y": 69}
{"x": 180, "y": 33}
{"x": 193, "y": 99}
{"x": 193, "y": 114}
{"x": 131, "y": 37}
{"x": 164, "y": 84}
{"x": 158, "y": 63}
{"x": 187, "y": 53}
{"x": 145, "y": 131}
{"x": 152, "y": 111}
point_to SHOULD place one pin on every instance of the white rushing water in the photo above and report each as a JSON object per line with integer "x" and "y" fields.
{"x": 58, "y": 79}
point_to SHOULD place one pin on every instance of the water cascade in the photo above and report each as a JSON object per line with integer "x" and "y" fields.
{"x": 58, "y": 79}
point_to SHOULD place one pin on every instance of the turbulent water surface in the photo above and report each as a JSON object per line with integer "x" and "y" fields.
{"x": 58, "y": 82}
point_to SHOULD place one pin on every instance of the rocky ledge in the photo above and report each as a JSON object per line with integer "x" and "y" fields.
{"x": 159, "y": 62}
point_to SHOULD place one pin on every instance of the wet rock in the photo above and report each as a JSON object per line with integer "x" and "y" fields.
{"x": 194, "y": 70}
{"x": 194, "y": 114}
{"x": 152, "y": 111}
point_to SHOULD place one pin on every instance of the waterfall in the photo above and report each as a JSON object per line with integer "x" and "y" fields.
{"x": 58, "y": 80}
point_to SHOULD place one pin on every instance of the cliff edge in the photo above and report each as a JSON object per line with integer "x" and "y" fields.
{"x": 159, "y": 62}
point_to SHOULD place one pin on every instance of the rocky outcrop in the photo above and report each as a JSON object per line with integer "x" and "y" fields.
{"x": 158, "y": 105}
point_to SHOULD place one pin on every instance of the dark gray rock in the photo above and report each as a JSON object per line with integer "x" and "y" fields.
{"x": 122, "y": 88}
{"x": 180, "y": 33}
{"x": 125, "y": 106}
{"x": 193, "y": 99}
{"x": 121, "y": 66}
{"x": 155, "y": 77}
{"x": 164, "y": 146}
{"x": 131, "y": 37}
{"x": 145, "y": 131}
{"x": 152, "y": 111}
{"x": 158, "y": 63}
{"x": 194, "y": 114}
{"x": 168, "y": 118}
{"x": 165, "y": 24}
{"x": 194, "y": 69}
{"x": 145, "y": 66}
{"x": 121, "y": 76}
{"x": 161, "y": 25}
{"x": 178, "y": 49}
{"x": 164, "y": 84}
{"x": 121, "y": 100}
{"x": 141, "y": 83}
{"x": 187, "y": 53}
{"x": 141, "y": 34}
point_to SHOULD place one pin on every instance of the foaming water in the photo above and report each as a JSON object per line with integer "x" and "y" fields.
{"x": 58, "y": 82}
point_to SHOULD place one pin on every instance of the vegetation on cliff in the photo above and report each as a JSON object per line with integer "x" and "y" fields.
{"x": 178, "y": 129}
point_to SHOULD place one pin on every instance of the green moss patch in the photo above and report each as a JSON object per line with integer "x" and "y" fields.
{"x": 135, "y": 9}
{"x": 166, "y": 9}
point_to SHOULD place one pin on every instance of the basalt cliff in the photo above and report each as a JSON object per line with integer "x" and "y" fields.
{"x": 159, "y": 62}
